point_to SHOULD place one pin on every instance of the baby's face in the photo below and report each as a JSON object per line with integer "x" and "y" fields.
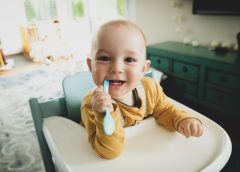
{"x": 119, "y": 57}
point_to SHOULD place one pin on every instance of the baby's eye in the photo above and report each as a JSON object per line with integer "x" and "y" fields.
{"x": 130, "y": 59}
{"x": 104, "y": 58}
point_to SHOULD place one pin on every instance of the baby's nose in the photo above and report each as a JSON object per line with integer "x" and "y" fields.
{"x": 117, "y": 67}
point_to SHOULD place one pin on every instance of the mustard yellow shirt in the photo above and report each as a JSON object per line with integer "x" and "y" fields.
{"x": 152, "y": 102}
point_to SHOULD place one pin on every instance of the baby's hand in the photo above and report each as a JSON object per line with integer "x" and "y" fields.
{"x": 101, "y": 100}
{"x": 190, "y": 127}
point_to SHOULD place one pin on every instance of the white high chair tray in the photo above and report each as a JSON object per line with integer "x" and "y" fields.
{"x": 148, "y": 147}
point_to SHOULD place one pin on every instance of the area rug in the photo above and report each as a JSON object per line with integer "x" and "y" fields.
{"x": 19, "y": 149}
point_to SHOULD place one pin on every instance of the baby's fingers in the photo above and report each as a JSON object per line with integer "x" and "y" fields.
{"x": 200, "y": 131}
{"x": 98, "y": 89}
{"x": 196, "y": 130}
{"x": 181, "y": 130}
{"x": 185, "y": 130}
{"x": 101, "y": 100}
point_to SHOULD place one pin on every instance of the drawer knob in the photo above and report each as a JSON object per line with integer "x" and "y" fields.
{"x": 185, "y": 69}
{"x": 159, "y": 61}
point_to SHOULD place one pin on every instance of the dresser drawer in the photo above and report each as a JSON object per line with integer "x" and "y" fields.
{"x": 160, "y": 63}
{"x": 223, "y": 79}
{"x": 185, "y": 70}
{"x": 182, "y": 87}
{"x": 221, "y": 99}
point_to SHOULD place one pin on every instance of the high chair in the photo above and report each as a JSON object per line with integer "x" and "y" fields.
{"x": 149, "y": 147}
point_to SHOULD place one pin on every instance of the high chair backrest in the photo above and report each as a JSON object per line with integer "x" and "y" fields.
{"x": 75, "y": 87}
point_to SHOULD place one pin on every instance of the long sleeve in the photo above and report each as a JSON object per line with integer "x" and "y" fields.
{"x": 106, "y": 146}
{"x": 158, "y": 105}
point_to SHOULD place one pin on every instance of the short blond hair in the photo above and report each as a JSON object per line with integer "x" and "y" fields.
{"x": 116, "y": 23}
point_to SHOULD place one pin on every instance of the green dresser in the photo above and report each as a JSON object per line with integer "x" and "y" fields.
{"x": 199, "y": 76}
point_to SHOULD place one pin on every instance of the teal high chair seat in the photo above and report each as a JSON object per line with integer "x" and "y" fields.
{"x": 64, "y": 145}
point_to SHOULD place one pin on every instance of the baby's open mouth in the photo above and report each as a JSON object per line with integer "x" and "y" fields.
{"x": 116, "y": 82}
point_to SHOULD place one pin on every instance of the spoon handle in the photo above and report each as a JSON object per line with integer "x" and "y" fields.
{"x": 108, "y": 121}
{"x": 106, "y": 86}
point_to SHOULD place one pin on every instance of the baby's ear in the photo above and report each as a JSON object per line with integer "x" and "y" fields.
{"x": 89, "y": 61}
{"x": 146, "y": 66}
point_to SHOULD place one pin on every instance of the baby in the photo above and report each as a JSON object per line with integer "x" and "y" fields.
{"x": 118, "y": 54}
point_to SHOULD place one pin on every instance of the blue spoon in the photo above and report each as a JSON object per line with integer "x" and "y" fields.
{"x": 108, "y": 122}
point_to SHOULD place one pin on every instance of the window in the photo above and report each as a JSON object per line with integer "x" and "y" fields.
{"x": 40, "y": 10}
{"x": 68, "y": 22}
{"x": 121, "y": 6}
{"x": 78, "y": 8}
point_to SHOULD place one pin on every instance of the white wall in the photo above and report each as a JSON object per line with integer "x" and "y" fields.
{"x": 156, "y": 18}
